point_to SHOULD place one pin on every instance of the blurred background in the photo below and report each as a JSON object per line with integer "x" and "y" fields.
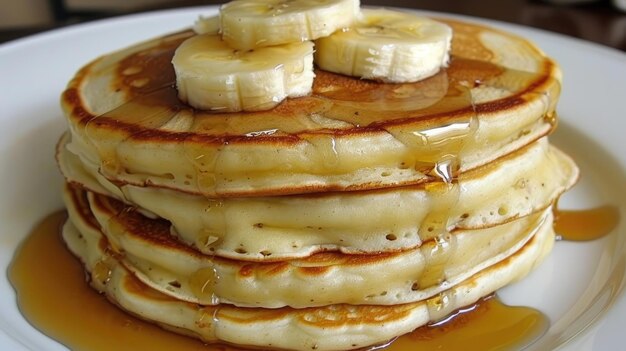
{"x": 601, "y": 21}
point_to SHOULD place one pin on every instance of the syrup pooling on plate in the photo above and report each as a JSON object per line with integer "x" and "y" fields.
{"x": 213, "y": 228}
{"x": 44, "y": 274}
{"x": 487, "y": 325}
{"x": 583, "y": 225}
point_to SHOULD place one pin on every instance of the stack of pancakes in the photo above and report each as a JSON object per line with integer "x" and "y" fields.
{"x": 334, "y": 221}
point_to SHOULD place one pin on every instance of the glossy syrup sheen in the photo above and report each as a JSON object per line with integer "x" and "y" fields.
{"x": 583, "y": 225}
{"x": 435, "y": 119}
{"x": 53, "y": 295}
{"x": 51, "y": 290}
{"x": 148, "y": 81}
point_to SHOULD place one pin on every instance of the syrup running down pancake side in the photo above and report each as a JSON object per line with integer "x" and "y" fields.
{"x": 125, "y": 118}
{"x": 51, "y": 289}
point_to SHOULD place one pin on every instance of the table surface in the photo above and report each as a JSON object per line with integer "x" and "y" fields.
{"x": 596, "y": 21}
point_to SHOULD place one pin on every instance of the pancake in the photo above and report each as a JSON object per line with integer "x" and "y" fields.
{"x": 337, "y": 220}
{"x": 145, "y": 247}
{"x": 497, "y": 95}
{"x": 331, "y": 327}
{"x": 385, "y": 220}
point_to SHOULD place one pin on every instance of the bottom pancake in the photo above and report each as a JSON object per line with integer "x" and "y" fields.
{"x": 332, "y": 327}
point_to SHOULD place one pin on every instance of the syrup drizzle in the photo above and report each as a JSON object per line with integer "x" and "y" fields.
{"x": 344, "y": 104}
{"x": 584, "y": 225}
{"x": 487, "y": 325}
{"x": 53, "y": 295}
{"x": 51, "y": 290}
{"x": 49, "y": 282}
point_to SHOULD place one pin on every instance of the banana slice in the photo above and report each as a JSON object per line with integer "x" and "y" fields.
{"x": 249, "y": 24}
{"x": 390, "y": 46}
{"x": 207, "y": 25}
{"x": 210, "y": 75}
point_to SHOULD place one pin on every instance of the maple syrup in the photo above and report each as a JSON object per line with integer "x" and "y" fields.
{"x": 50, "y": 282}
{"x": 583, "y": 225}
{"x": 51, "y": 290}
{"x": 487, "y": 325}
{"x": 436, "y": 120}
{"x": 53, "y": 295}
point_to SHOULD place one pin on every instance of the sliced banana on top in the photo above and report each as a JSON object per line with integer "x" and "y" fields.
{"x": 210, "y": 75}
{"x": 249, "y": 24}
{"x": 388, "y": 46}
{"x": 207, "y": 25}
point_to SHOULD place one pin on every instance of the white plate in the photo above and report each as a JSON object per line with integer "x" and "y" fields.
{"x": 576, "y": 286}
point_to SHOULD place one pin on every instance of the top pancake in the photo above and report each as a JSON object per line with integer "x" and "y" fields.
{"x": 497, "y": 95}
